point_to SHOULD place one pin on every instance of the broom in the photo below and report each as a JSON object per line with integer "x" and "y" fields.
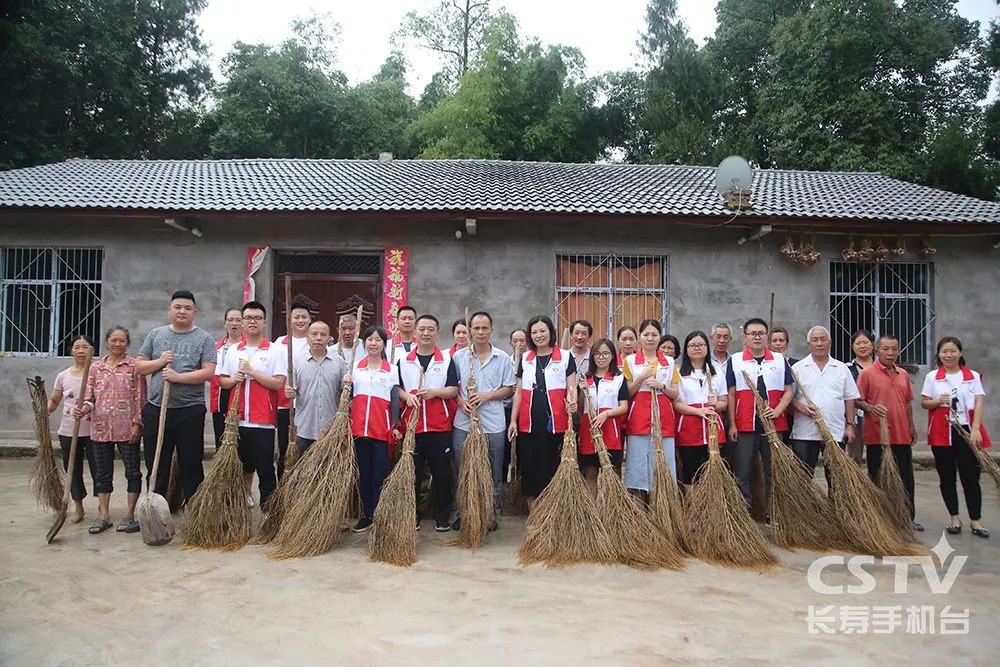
{"x": 475, "y": 478}
{"x": 897, "y": 500}
{"x": 512, "y": 501}
{"x": 666, "y": 509}
{"x": 800, "y": 512}
{"x": 632, "y": 537}
{"x": 564, "y": 526}
{"x": 46, "y": 480}
{"x": 155, "y": 523}
{"x": 721, "y": 530}
{"x": 175, "y": 490}
{"x": 317, "y": 496}
{"x": 857, "y": 503}
{"x": 987, "y": 462}
{"x": 218, "y": 518}
{"x": 393, "y": 538}
{"x": 64, "y": 501}
{"x": 292, "y": 452}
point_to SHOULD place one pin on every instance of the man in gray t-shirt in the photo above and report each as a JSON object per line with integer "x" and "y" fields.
{"x": 183, "y": 355}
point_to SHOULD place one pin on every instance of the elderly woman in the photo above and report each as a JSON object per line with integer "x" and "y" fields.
{"x": 66, "y": 386}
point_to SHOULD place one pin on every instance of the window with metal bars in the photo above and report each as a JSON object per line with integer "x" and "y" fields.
{"x": 48, "y": 296}
{"x": 330, "y": 264}
{"x": 890, "y": 298}
{"x": 610, "y": 291}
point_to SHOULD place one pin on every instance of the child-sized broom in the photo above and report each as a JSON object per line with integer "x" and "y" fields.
{"x": 564, "y": 527}
{"x": 633, "y": 539}
{"x": 218, "y": 517}
{"x": 46, "y": 480}
{"x": 800, "y": 513}
{"x": 666, "y": 509}
{"x": 475, "y": 477}
{"x": 318, "y": 493}
{"x": 986, "y": 462}
{"x": 897, "y": 500}
{"x": 858, "y": 505}
{"x": 393, "y": 538}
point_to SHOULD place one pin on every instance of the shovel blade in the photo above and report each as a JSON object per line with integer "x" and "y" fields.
{"x": 155, "y": 522}
{"x": 57, "y": 525}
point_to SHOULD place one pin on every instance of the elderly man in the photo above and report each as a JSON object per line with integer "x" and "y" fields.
{"x": 347, "y": 331}
{"x": 721, "y": 336}
{"x": 831, "y": 392}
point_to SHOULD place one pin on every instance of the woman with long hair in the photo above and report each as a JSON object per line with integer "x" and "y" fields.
{"x": 701, "y": 397}
{"x": 607, "y": 393}
{"x": 954, "y": 393}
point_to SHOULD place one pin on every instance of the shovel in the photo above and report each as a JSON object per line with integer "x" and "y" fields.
{"x": 61, "y": 516}
{"x": 155, "y": 523}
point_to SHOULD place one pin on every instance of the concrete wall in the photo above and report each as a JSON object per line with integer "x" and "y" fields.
{"x": 508, "y": 268}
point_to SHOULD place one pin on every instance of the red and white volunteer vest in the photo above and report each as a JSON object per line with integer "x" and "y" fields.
{"x": 692, "y": 431}
{"x": 214, "y": 388}
{"x": 773, "y": 370}
{"x": 398, "y": 350}
{"x": 438, "y": 413}
{"x": 555, "y": 386}
{"x": 260, "y": 402}
{"x": 938, "y": 419}
{"x": 640, "y": 410}
{"x": 373, "y": 389}
{"x": 604, "y": 397}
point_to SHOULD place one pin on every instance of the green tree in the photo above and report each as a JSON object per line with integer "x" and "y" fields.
{"x": 454, "y": 29}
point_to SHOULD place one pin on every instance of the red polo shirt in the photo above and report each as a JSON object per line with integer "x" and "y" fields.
{"x": 880, "y": 386}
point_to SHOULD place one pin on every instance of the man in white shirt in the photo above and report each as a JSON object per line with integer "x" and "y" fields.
{"x": 721, "y": 336}
{"x": 832, "y": 390}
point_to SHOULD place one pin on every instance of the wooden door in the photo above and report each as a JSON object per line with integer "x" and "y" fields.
{"x": 329, "y": 297}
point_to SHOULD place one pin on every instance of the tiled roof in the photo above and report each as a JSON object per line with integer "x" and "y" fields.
{"x": 470, "y": 186}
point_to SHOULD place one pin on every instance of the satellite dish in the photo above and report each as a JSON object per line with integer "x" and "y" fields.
{"x": 733, "y": 175}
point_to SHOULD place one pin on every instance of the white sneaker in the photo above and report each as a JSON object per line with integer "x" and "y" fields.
{"x": 249, "y": 500}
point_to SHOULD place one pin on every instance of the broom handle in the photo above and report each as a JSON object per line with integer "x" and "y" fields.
{"x": 817, "y": 416}
{"x": 290, "y": 377}
{"x": 471, "y": 386}
{"x": 354, "y": 350}
{"x": 762, "y": 405}
{"x": 595, "y": 433}
{"x": 411, "y": 423}
{"x": 76, "y": 431}
{"x": 164, "y": 401}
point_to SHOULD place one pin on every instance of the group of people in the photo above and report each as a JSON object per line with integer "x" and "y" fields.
{"x": 526, "y": 399}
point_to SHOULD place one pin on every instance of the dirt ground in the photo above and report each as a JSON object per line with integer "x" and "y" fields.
{"x": 110, "y": 599}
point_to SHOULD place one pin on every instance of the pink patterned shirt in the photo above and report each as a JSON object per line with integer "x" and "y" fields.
{"x": 116, "y": 394}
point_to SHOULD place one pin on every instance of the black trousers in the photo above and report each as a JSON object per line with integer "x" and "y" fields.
{"x": 283, "y": 416}
{"x": 904, "y": 459}
{"x": 184, "y": 431}
{"x": 77, "y": 491}
{"x": 692, "y": 459}
{"x": 959, "y": 457}
{"x": 435, "y": 449}
{"x": 808, "y": 452}
{"x": 506, "y": 448}
{"x": 741, "y": 455}
{"x": 219, "y": 418}
{"x": 256, "y": 448}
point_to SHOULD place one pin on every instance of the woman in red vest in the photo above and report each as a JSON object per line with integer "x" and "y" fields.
{"x": 219, "y": 397}
{"x": 701, "y": 397}
{"x": 607, "y": 393}
{"x": 953, "y": 392}
{"x": 544, "y": 397}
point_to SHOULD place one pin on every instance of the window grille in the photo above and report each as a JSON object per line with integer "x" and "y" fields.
{"x": 47, "y": 297}
{"x": 610, "y": 291}
{"x": 330, "y": 264}
{"x": 891, "y": 298}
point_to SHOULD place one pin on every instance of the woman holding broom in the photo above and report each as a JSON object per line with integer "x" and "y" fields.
{"x": 115, "y": 396}
{"x": 544, "y": 397}
{"x": 863, "y": 346}
{"x": 608, "y": 393}
{"x": 66, "y": 386}
{"x": 650, "y": 376}
{"x": 701, "y": 397}
{"x": 374, "y": 382}
{"x": 954, "y": 391}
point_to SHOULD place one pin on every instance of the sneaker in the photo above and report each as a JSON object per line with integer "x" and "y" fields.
{"x": 249, "y": 500}
{"x": 457, "y": 524}
{"x": 363, "y": 524}
{"x": 442, "y": 525}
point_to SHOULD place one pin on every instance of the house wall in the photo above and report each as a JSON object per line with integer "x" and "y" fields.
{"x": 507, "y": 268}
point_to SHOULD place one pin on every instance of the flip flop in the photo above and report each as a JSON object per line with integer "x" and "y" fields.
{"x": 99, "y": 527}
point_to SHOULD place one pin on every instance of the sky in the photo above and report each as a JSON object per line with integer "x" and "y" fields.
{"x": 605, "y": 32}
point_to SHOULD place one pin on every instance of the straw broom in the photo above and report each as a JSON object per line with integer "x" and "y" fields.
{"x": 292, "y": 452}
{"x": 857, "y": 503}
{"x": 393, "y": 538}
{"x": 46, "y": 481}
{"x": 666, "y": 509}
{"x": 632, "y": 537}
{"x": 218, "y": 518}
{"x": 318, "y": 493}
{"x": 801, "y": 514}
{"x": 564, "y": 526}
{"x": 897, "y": 500}
{"x": 721, "y": 530}
{"x": 987, "y": 462}
{"x": 175, "y": 490}
{"x": 475, "y": 478}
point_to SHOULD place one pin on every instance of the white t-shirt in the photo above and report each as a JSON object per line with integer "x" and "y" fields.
{"x": 272, "y": 361}
{"x": 828, "y": 390}
{"x": 954, "y": 386}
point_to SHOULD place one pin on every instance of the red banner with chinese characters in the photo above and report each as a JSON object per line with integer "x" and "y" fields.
{"x": 255, "y": 259}
{"x": 395, "y": 272}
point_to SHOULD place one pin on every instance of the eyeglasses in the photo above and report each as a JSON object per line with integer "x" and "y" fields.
{"x": 756, "y": 334}
{"x": 253, "y": 318}
{"x": 696, "y": 346}
{"x": 602, "y": 354}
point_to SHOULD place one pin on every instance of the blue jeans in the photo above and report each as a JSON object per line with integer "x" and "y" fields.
{"x": 373, "y": 467}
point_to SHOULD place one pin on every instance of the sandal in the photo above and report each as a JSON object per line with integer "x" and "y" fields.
{"x": 953, "y": 529}
{"x": 76, "y": 518}
{"x": 99, "y": 527}
{"x": 133, "y": 526}
{"x": 981, "y": 532}
{"x": 122, "y": 526}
